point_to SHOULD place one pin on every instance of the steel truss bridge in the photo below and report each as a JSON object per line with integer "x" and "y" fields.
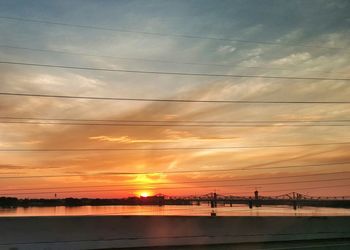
{"x": 294, "y": 199}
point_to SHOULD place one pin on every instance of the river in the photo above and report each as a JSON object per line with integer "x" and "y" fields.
{"x": 202, "y": 210}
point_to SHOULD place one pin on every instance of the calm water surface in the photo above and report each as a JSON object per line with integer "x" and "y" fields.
{"x": 237, "y": 210}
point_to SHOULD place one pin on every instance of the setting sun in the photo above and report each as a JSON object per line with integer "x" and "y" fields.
{"x": 144, "y": 193}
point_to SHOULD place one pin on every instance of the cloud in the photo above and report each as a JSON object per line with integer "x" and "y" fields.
{"x": 126, "y": 139}
{"x": 293, "y": 59}
{"x": 176, "y": 137}
{"x": 226, "y": 49}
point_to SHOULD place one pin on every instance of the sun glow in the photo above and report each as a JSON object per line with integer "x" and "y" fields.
{"x": 148, "y": 178}
{"x": 144, "y": 193}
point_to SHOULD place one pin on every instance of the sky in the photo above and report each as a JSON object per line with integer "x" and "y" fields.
{"x": 307, "y": 39}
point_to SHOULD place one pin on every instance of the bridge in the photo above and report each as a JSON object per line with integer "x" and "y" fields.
{"x": 213, "y": 199}
{"x": 294, "y": 199}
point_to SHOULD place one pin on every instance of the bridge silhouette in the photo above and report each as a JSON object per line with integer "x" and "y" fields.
{"x": 293, "y": 199}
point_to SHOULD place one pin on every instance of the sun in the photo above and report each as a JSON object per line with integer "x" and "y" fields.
{"x": 144, "y": 194}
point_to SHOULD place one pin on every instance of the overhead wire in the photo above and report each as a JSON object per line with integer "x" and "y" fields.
{"x": 185, "y": 187}
{"x": 168, "y": 148}
{"x": 305, "y": 188}
{"x": 169, "y": 100}
{"x": 246, "y": 168}
{"x": 298, "y": 189}
{"x": 171, "y": 120}
{"x": 181, "y": 182}
{"x": 160, "y": 34}
{"x": 173, "y": 125}
{"x": 152, "y": 60}
{"x": 173, "y": 72}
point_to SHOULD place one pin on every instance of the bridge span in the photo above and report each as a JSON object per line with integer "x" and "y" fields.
{"x": 294, "y": 199}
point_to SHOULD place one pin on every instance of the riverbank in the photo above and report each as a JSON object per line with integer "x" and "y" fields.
{"x": 101, "y": 232}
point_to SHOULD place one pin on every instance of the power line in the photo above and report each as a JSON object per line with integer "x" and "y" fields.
{"x": 306, "y": 188}
{"x": 174, "y": 125}
{"x": 154, "y": 60}
{"x": 168, "y": 148}
{"x": 170, "y": 100}
{"x": 187, "y": 187}
{"x": 174, "y": 171}
{"x": 121, "y": 58}
{"x": 182, "y": 182}
{"x": 298, "y": 189}
{"x": 174, "y": 73}
{"x": 171, "y": 121}
{"x": 159, "y": 34}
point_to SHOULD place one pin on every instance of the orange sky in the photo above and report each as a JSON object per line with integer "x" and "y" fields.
{"x": 223, "y": 20}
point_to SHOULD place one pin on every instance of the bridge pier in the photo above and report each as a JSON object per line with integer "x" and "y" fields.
{"x": 256, "y": 196}
{"x": 213, "y": 202}
{"x": 294, "y": 205}
{"x": 295, "y": 198}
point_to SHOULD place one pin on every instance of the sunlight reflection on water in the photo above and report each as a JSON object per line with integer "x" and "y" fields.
{"x": 202, "y": 210}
